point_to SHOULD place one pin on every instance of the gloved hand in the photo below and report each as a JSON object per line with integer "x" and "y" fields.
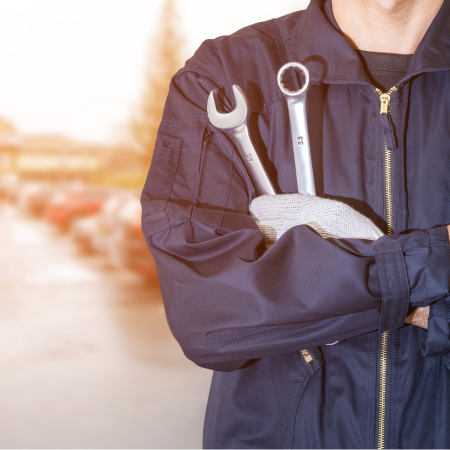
{"x": 275, "y": 214}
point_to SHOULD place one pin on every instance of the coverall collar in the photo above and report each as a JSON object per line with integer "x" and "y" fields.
{"x": 319, "y": 43}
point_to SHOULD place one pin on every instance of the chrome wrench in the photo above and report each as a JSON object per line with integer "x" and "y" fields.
{"x": 235, "y": 124}
{"x": 296, "y": 102}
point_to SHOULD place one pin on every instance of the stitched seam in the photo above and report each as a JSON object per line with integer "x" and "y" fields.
{"x": 416, "y": 72}
{"x": 386, "y": 70}
{"x": 380, "y": 268}
{"x": 379, "y": 180}
{"x": 285, "y": 59}
{"x": 326, "y": 390}
{"x": 435, "y": 241}
{"x": 209, "y": 74}
{"x": 277, "y": 43}
{"x": 195, "y": 219}
{"x": 384, "y": 252}
{"x": 191, "y": 344}
{"x": 185, "y": 215}
{"x": 163, "y": 140}
{"x": 188, "y": 344}
{"x": 448, "y": 209}
{"x": 381, "y": 252}
{"x": 391, "y": 295}
{"x": 380, "y": 249}
{"x": 173, "y": 153}
{"x": 299, "y": 362}
{"x": 397, "y": 392}
{"x": 441, "y": 307}
{"x": 228, "y": 195}
{"x": 339, "y": 78}
{"x": 406, "y": 287}
{"x": 179, "y": 120}
{"x": 368, "y": 395}
{"x": 166, "y": 151}
{"x": 402, "y": 145}
{"x": 243, "y": 174}
{"x": 173, "y": 178}
{"x": 438, "y": 297}
{"x": 278, "y": 94}
{"x": 430, "y": 67}
{"x": 159, "y": 230}
{"x": 271, "y": 130}
{"x": 229, "y": 185}
{"x": 202, "y": 119}
{"x": 436, "y": 379}
{"x": 444, "y": 316}
{"x": 299, "y": 393}
{"x": 429, "y": 267}
{"x": 400, "y": 295}
{"x": 196, "y": 189}
{"x": 404, "y": 298}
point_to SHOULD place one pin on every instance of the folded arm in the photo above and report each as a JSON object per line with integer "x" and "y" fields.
{"x": 227, "y": 298}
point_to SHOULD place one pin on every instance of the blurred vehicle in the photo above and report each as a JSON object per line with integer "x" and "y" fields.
{"x": 127, "y": 245}
{"x": 92, "y": 233}
{"x": 107, "y": 220}
{"x": 79, "y": 201}
{"x": 9, "y": 187}
{"x": 83, "y": 232}
{"x": 34, "y": 197}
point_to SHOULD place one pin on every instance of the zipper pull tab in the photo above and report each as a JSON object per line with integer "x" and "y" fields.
{"x": 386, "y": 121}
{"x": 389, "y": 133}
{"x": 385, "y": 100}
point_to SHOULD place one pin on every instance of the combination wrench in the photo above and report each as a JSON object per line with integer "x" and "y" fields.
{"x": 235, "y": 124}
{"x": 296, "y": 102}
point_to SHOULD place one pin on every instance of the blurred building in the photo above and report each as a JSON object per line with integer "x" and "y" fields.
{"x": 56, "y": 157}
{"x": 53, "y": 156}
{"x": 10, "y": 146}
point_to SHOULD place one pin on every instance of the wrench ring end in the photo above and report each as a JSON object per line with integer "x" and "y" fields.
{"x": 303, "y": 69}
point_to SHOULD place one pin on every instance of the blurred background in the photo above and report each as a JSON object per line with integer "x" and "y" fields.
{"x": 86, "y": 356}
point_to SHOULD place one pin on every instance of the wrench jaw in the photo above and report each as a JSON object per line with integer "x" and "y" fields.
{"x": 233, "y": 119}
{"x": 235, "y": 124}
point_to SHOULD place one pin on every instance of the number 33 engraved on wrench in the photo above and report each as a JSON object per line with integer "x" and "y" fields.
{"x": 296, "y": 102}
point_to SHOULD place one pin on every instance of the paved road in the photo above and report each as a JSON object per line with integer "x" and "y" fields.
{"x": 86, "y": 357}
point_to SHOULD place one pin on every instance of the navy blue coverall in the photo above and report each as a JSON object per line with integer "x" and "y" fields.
{"x": 247, "y": 312}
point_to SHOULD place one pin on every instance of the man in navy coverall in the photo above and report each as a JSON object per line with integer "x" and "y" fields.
{"x": 261, "y": 318}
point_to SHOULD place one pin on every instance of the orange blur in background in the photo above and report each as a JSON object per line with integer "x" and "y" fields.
{"x": 86, "y": 356}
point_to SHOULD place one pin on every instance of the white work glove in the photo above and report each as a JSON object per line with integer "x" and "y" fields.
{"x": 275, "y": 214}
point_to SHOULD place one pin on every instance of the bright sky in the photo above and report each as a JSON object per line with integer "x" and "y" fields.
{"x": 76, "y": 66}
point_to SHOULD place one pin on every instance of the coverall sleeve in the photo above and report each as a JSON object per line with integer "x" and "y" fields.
{"x": 227, "y": 298}
{"x": 436, "y": 340}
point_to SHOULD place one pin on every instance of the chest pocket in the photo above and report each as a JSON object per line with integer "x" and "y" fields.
{"x": 158, "y": 185}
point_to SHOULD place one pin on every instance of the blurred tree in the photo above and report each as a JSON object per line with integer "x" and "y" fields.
{"x": 163, "y": 62}
{"x": 6, "y": 127}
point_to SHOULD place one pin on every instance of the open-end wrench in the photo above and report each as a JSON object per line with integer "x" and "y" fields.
{"x": 296, "y": 102}
{"x": 235, "y": 124}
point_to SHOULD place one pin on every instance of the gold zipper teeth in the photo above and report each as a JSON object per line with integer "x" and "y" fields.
{"x": 388, "y": 182}
{"x": 385, "y": 334}
{"x": 382, "y": 397}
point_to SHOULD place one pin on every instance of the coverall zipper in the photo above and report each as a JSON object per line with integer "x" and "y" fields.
{"x": 389, "y": 145}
